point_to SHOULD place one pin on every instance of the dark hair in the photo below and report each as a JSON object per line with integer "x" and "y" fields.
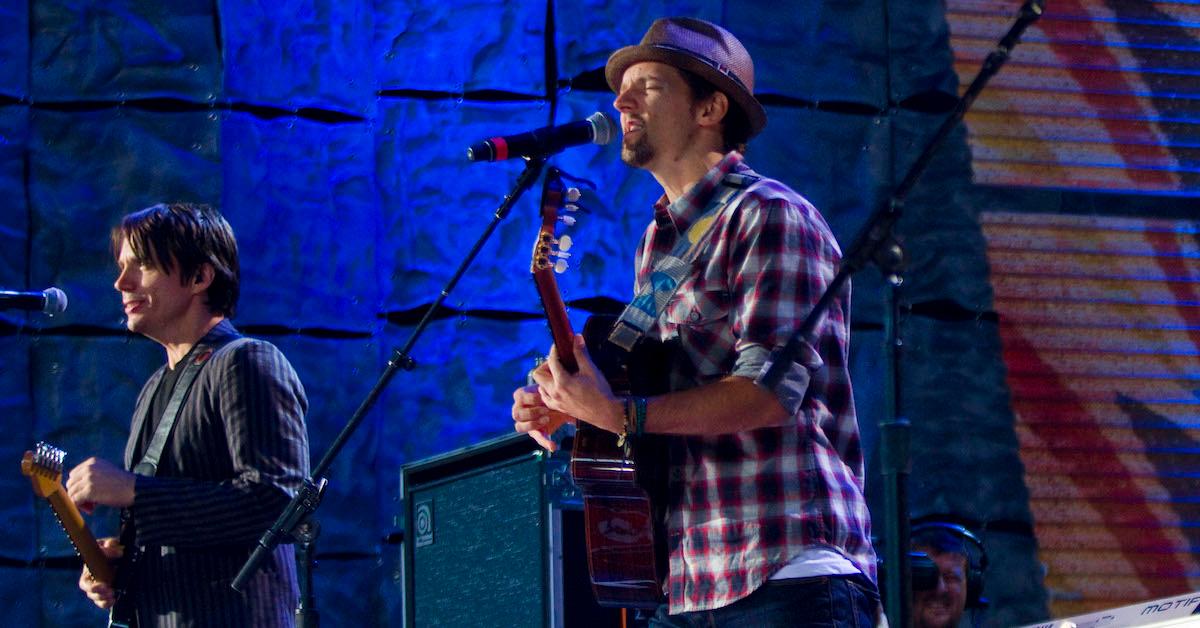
{"x": 735, "y": 128}
{"x": 185, "y": 236}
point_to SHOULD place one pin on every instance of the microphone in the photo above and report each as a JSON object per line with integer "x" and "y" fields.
{"x": 597, "y": 129}
{"x": 49, "y": 301}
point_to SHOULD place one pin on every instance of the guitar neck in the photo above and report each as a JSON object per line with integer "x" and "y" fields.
{"x": 72, "y": 522}
{"x": 556, "y": 316}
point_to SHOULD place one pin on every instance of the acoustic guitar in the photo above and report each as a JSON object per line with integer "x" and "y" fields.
{"x": 623, "y": 483}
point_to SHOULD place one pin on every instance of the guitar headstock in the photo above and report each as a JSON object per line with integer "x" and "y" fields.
{"x": 44, "y": 466}
{"x": 559, "y": 205}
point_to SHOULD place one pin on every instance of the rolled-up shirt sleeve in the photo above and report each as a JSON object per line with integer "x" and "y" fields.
{"x": 779, "y": 268}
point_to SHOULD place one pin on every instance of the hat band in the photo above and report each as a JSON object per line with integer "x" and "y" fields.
{"x": 728, "y": 73}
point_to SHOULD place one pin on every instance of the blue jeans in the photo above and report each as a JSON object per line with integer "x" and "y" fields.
{"x": 820, "y": 602}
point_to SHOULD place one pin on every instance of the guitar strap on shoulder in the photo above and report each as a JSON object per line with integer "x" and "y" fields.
{"x": 195, "y": 361}
{"x": 124, "y": 612}
{"x": 670, "y": 270}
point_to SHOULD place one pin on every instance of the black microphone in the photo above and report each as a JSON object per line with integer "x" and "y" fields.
{"x": 597, "y": 129}
{"x": 49, "y": 301}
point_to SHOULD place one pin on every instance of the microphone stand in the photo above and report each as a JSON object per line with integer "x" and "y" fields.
{"x": 876, "y": 242}
{"x": 306, "y": 541}
{"x": 308, "y": 497}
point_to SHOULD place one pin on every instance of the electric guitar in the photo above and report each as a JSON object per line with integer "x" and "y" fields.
{"x": 44, "y": 467}
{"x": 623, "y": 483}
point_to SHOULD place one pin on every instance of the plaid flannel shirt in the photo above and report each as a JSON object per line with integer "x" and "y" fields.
{"x": 744, "y": 504}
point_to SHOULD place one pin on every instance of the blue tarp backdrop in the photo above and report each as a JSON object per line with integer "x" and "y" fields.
{"x": 332, "y": 134}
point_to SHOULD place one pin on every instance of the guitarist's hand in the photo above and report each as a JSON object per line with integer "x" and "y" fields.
{"x": 531, "y": 416}
{"x": 101, "y": 593}
{"x": 96, "y": 481}
{"x": 584, "y": 394}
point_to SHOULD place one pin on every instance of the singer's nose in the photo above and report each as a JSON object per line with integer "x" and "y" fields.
{"x": 623, "y": 102}
{"x": 123, "y": 282}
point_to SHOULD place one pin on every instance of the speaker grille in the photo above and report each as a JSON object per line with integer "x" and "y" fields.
{"x": 482, "y": 560}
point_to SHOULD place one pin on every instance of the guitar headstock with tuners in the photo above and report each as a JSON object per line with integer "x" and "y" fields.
{"x": 44, "y": 467}
{"x": 551, "y": 251}
{"x": 559, "y": 207}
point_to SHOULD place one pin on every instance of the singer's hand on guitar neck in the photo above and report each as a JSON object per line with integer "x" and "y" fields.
{"x": 560, "y": 397}
{"x": 585, "y": 394}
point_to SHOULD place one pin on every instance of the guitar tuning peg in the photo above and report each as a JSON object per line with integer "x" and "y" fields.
{"x": 573, "y": 194}
{"x": 561, "y": 254}
{"x": 561, "y": 266}
{"x": 565, "y": 242}
{"x": 571, "y": 207}
{"x": 568, "y": 220}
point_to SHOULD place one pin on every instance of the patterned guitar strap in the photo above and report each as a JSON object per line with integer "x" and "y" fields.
{"x": 671, "y": 269}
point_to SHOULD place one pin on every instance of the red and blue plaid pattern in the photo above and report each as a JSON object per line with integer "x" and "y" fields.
{"x": 744, "y": 504}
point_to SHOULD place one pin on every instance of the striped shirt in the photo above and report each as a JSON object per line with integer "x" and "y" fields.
{"x": 744, "y": 504}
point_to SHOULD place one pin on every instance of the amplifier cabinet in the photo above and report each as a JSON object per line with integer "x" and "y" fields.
{"x": 494, "y": 537}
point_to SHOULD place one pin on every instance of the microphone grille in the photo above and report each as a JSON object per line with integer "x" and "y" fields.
{"x": 603, "y": 129}
{"x": 56, "y": 301}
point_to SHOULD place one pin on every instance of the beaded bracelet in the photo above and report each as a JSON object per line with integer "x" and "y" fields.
{"x": 628, "y": 410}
{"x": 639, "y": 416}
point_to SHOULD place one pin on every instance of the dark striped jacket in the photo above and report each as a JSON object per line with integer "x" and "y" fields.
{"x": 238, "y": 452}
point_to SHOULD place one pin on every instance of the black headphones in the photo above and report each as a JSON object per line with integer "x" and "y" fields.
{"x": 977, "y": 560}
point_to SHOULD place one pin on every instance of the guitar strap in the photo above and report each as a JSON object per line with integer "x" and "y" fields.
{"x": 124, "y": 613}
{"x": 670, "y": 270}
{"x": 195, "y": 360}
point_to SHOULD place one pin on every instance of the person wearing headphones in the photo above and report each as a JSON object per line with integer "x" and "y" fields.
{"x": 959, "y": 581}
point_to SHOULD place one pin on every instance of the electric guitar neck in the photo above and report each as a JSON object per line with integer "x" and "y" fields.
{"x": 43, "y": 466}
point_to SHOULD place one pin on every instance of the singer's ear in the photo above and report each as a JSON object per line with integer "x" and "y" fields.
{"x": 204, "y": 277}
{"x": 712, "y": 110}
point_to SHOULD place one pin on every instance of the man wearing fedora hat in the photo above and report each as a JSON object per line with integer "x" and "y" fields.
{"x": 767, "y": 521}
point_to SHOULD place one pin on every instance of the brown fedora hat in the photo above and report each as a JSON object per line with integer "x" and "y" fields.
{"x": 702, "y": 48}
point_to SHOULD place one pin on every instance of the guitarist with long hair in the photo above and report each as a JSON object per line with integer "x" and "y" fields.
{"x": 218, "y": 443}
{"x": 766, "y": 520}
